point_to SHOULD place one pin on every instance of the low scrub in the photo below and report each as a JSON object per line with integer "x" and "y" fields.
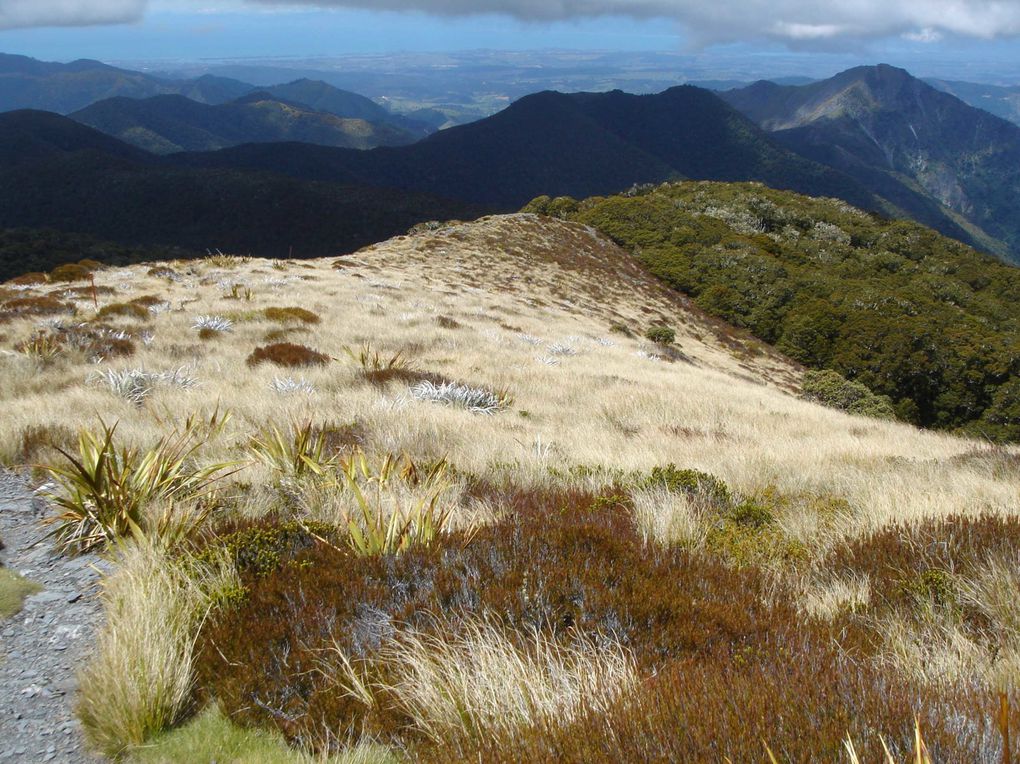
{"x": 833, "y": 390}
{"x": 287, "y": 354}
{"x": 291, "y": 315}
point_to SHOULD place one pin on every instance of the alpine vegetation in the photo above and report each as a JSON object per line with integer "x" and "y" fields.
{"x": 138, "y": 384}
{"x": 213, "y": 324}
{"x": 290, "y": 386}
{"x": 475, "y": 399}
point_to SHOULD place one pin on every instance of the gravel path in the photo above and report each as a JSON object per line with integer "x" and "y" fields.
{"x": 42, "y": 647}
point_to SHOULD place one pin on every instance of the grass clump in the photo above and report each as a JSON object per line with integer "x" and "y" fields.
{"x": 106, "y": 492}
{"x": 475, "y": 399}
{"x": 13, "y": 591}
{"x": 287, "y": 354}
{"x": 833, "y": 390}
{"x": 139, "y": 680}
{"x": 291, "y": 315}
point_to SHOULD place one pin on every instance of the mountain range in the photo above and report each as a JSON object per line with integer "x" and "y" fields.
{"x": 170, "y": 123}
{"x": 906, "y": 141}
{"x": 874, "y": 137}
{"x": 26, "y": 83}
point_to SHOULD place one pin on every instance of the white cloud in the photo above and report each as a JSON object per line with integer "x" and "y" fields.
{"x": 16, "y": 14}
{"x": 726, "y": 20}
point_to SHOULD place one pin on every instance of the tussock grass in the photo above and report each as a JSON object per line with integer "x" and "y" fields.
{"x": 139, "y": 680}
{"x": 482, "y": 683}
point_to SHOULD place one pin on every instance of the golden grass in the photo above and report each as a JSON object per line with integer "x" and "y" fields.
{"x": 511, "y": 303}
{"x": 139, "y": 680}
{"x": 13, "y": 591}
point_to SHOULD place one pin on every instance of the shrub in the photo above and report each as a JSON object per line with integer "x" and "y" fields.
{"x": 126, "y": 309}
{"x": 576, "y": 570}
{"x": 35, "y": 306}
{"x": 833, "y": 390}
{"x": 448, "y": 323}
{"x": 693, "y": 483}
{"x": 621, "y": 329}
{"x": 287, "y": 354}
{"x": 291, "y": 315}
{"x": 661, "y": 335}
{"x": 71, "y": 272}
{"x": 29, "y": 279}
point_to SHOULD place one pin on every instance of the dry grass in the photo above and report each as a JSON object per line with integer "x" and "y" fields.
{"x": 139, "y": 680}
{"x": 505, "y": 304}
{"x": 605, "y": 404}
{"x": 483, "y": 683}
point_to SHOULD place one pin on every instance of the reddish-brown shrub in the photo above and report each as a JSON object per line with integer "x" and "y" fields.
{"x": 35, "y": 306}
{"x": 128, "y": 309}
{"x": 291, "y": 315}
{"x": 287, "y": 354}
{"x": 566, "y": 568}
{"x": 27, "y": 279}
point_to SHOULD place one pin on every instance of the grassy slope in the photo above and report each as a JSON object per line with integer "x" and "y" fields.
{"x": 519, "y": 302}
{"x": 913, "y": 315}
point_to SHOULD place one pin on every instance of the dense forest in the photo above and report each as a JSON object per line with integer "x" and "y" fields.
{"x": 913, "y": 315}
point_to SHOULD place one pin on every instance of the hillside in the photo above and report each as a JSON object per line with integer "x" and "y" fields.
{"x": 504, "y": 527}
{"x": 167, "y": 124}
{"x": 903, "y": 139}
{"x": 579, "y": 144}
{"x": 998, "y": 100}
{"x": 58, "y": 174}
{"x": 909, "y": 313}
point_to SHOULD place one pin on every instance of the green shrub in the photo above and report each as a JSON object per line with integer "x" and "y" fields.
{"x": 833, "y": 390}
{"x": 71, "y": 272}
{"x": 694, "y": 483}
{"x": 661, "y": 335}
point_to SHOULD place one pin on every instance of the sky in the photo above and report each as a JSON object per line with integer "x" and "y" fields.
{"x": 893, "y": 30}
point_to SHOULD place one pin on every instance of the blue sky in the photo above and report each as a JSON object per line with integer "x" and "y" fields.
{"x": 949, "y": 33}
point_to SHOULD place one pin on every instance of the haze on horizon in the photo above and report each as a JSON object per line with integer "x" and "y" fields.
{"x": 973, "y": 39}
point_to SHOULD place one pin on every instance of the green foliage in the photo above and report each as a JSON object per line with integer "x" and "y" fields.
{"x": 832, "y": 389}
{"x": 212, "y": 738}
{"x": 301, "y": 454}
{"x": 694, "y": 483}
{"x": 106, "y": 492}
{"x": 910, "y": 314}
{"x": 663, "y": 335}
{"x": 13, "y": 590}
{"x": 260, "y": 549}
{"x": 390, "y": 524}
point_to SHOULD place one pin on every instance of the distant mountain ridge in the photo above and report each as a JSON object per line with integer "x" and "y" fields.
{"x": 914, "y": 145}
{"x": 171, "y": 123}
{"x": 26, "y": 83}
{"x": 559, "y": 144}
{"x": 58, "y": 174}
